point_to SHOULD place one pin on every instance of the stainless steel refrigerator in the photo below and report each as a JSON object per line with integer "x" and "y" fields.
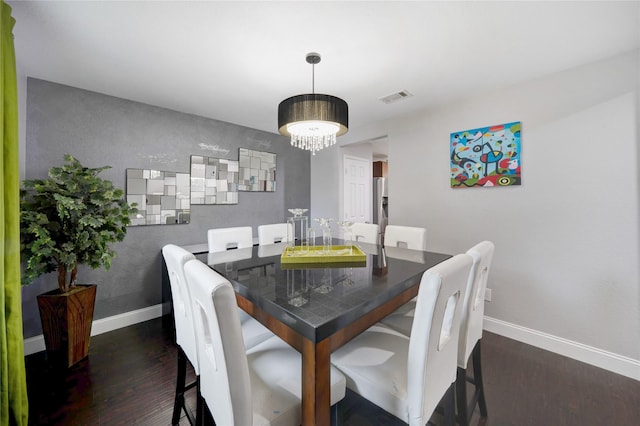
{"x": 380, "y": 202}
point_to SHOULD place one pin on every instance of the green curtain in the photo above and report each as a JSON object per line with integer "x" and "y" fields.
{"x": 13, "y": 385}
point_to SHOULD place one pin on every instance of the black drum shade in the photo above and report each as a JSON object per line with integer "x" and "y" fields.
{"x": 313, "y": 107}
{"x": 313, "y": 121}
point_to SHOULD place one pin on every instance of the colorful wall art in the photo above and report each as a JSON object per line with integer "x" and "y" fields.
{"x": 486, "y": 157}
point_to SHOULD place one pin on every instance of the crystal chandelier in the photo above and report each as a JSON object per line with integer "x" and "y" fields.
{"x": 313, "y": 120}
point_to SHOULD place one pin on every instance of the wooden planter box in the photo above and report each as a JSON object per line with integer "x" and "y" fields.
{"x": 66, "y": 322}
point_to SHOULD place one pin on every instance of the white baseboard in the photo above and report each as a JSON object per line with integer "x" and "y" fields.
{"x": 104, "y": 325}
{"x": 607, "y": 360}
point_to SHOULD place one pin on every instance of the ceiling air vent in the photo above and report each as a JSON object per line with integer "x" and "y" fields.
{"x": 395, "y": 97}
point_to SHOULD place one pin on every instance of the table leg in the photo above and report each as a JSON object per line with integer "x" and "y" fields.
{"x": 316, "y": 383}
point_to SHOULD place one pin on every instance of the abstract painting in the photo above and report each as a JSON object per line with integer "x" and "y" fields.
{"x": 486, "y": 156}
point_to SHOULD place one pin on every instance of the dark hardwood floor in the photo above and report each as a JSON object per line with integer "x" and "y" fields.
{"x": 129, "y": 375}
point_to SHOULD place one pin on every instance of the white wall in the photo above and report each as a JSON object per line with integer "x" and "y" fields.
{"x": 567, "y": 239}
{"x": 326, "y": 172}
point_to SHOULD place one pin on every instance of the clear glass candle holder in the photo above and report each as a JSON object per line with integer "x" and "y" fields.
{"x": 297, "y": 230}
{"x": 297, "y": 287}
{"x": 326, "y": 240}
{"x": 326, "y": 234}
{"x": 347, "y": 235}
{"x": 311, "y": 237}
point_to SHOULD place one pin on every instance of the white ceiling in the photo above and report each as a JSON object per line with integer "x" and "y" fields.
{"x": 235, "y": 61}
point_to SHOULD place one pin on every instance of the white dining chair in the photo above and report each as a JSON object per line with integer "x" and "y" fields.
{"x": 269, "y": 250}
{"x": 259, "y": 386}
{"x": 471, "y": 328}
{"x": 410, "y": 237}
{"x": 241, "y": 239}
{"x": 274, "y": 233}
{"x": 365, "y": 232}
{"x": 415, "y": 256}
{"x": 409, "y": 376}
{"x": 175, "y": 258}
{"x": 252, "y": 331}
{"x": 221, "y": 239}
{"x": 471, "y": 333}
{"x": 229, "y": 256}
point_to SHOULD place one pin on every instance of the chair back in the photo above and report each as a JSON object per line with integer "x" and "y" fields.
{"x": 274, "y": 233}
{"x": 406, "y": 236}
{"x": 433, "y": 345}
{"x": 473, "y": 306}
{"x": 221, "y": 239}
{"x": 229, "y": 256}
{"x": 415, "y": 256}
{"x": 269, "y": 250}
{"x": 175, "y": 258}
{"x": 365, "y": 232}
{"x": 224, "y": 371}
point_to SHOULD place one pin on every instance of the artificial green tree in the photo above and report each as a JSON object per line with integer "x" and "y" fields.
{"x": 69, "y": 219}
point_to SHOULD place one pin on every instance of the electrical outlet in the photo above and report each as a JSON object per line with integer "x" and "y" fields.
{"x": 487, "y": 294}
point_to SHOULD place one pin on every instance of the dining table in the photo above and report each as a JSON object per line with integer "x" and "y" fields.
{"x": 318, "y": 307}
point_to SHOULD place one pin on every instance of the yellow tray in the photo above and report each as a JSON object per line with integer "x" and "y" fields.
{"x": 338, "y": 254}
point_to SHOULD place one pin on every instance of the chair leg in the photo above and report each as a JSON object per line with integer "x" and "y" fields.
{"x": 180, "y": 384}
{"x": 449, "y": 406}
{"x": 477, "y": 378}
{"x": 336, "y": 415}
{"x": 199, "y": 405}
{"x": 461, "y": 397}
{"x": 206, "y": 416}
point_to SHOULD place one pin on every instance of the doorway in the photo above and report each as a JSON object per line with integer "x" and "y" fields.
{"x": 357, "y": 189}
{"x": 359, "y": 162}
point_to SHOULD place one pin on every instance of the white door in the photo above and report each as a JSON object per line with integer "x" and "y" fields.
{"x": 357, "y": 189}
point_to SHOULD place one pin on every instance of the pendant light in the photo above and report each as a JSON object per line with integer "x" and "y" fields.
{"x": 313, "y": 120}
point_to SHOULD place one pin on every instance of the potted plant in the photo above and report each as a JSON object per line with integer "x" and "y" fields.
{"x": 69, "y": 219}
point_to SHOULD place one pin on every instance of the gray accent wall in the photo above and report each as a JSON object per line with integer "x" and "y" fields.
{"x": 104, "y": 130}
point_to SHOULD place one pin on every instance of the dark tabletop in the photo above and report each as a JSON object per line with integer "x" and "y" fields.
{"x": 319, "y": 300}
